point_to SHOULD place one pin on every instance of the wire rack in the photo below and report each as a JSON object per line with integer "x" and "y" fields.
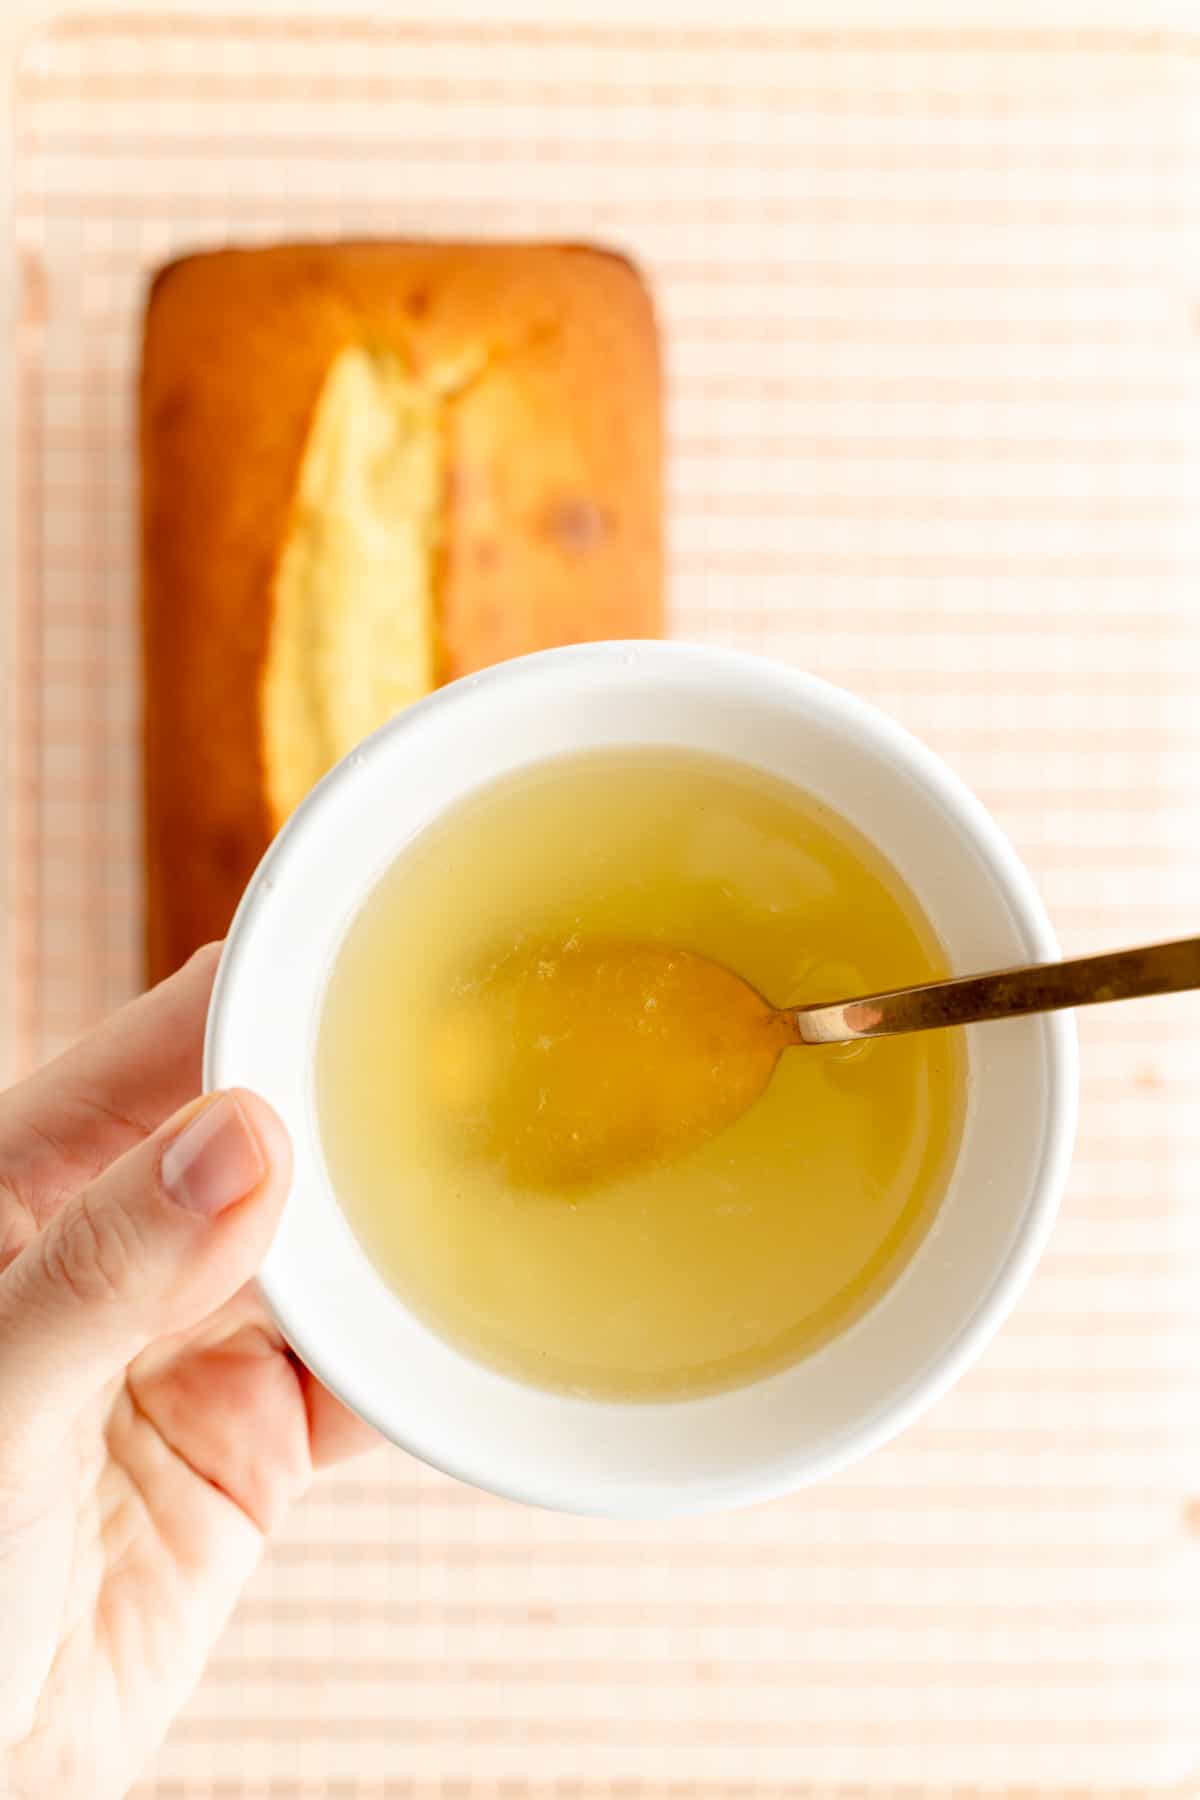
{"x": 930, "y": 306}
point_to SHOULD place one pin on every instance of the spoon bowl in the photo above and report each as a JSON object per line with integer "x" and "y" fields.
{"x": 571, "y": 1065}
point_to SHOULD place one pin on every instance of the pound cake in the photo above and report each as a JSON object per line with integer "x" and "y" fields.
{"x": 368, "y": 469}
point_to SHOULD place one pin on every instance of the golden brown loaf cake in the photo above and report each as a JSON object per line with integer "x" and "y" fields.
{"x": 368, "y": 469}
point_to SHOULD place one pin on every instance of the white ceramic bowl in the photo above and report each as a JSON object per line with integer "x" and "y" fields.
{"x": 775, "y": 1434}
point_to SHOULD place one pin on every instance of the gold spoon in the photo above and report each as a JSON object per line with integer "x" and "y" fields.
{"x": 572, "y": 1065}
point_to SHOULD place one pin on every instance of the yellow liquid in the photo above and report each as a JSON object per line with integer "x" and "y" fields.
{"x": 716, "y": 1265}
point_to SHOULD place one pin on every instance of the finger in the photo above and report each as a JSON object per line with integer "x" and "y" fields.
{"x": 63, "y": 1125}
{"x": 234, "y": 1412}
{"x": 242, "y": 1410}
{"x": 334, "y": 1432}
{"x": 162, "y": 1238}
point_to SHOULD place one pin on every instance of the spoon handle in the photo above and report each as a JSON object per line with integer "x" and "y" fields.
{"x": 1005, "y": 993}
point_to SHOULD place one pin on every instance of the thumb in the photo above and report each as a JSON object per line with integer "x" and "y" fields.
{"x": 160, "y": 1240}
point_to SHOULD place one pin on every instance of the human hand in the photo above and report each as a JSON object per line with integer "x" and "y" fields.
{"x": 154, "y": 1428}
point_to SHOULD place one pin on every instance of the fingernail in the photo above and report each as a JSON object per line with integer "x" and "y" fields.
{"x": 215, "y": 1161}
